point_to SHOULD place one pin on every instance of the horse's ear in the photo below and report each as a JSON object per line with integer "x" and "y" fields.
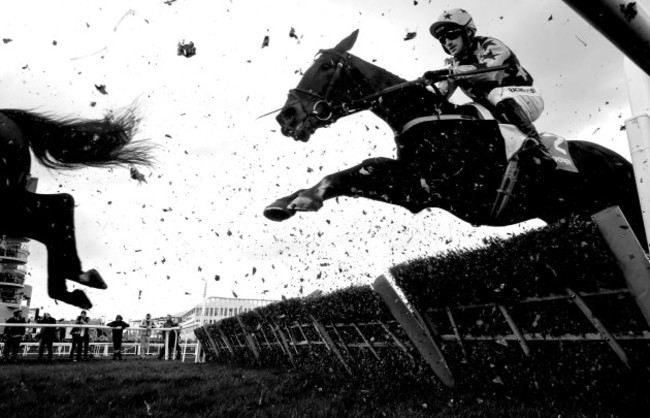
{"x": 346, "y": 44}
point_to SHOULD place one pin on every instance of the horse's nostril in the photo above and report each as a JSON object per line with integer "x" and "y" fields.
{"x": 288, "y": 114}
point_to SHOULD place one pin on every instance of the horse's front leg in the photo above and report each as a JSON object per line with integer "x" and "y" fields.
{"x": 382, "y": 179}
{"x": 303, "y": 200}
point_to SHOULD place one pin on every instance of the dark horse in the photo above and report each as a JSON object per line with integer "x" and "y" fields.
{"x": 451, "y": 159}
{"x": 49, "y": 219}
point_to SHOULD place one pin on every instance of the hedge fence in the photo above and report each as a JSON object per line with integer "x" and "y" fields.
{"x": 546, "y": 310}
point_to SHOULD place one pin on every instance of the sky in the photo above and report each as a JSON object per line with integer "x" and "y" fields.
{"x": 199, "y": 215}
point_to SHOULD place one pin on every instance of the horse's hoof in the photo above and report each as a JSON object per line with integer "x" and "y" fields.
{"x": 76, "y": 298}
{"x": 91, "y": 278}
{"x": 277, "y": 213}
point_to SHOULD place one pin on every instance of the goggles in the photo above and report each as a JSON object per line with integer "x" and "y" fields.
{"x": 450, "y": 34}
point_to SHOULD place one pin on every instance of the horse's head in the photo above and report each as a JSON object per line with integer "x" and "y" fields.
{"x": 318, "y": 98}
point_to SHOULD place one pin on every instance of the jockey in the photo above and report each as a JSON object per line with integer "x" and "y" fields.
{"x": 509, "y": 94}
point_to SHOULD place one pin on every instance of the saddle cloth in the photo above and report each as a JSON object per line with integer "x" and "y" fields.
{"x": 557, "y": 146}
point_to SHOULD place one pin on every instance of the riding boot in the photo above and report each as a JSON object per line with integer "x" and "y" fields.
{"x": 512, "y": 112}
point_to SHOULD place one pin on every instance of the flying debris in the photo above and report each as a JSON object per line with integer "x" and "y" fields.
{"x": 629, "y": 11}
{"x": 292, "y": 33}
{"x": 186, "y": 49}
{"x": 410, "y": 35}
{"x": 101, "y": 88}
{"x": 139, "y": 294}
{"x": 234, "y": 294}
{"x": 6, "y": 40}
{"x": 265, "y": 42}
{"x": 217, "y": 277}
{"x": 136, "y": 175}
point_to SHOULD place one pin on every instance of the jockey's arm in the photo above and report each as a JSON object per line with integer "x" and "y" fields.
{"x": 493, "y": 53}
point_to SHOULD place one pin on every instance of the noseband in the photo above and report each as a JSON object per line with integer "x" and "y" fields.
{"x": 323, "y": 109}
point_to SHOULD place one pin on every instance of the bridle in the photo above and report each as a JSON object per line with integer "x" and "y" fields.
{"x": 323, "y": 108}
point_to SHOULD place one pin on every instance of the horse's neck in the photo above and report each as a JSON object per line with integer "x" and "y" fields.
{"x": 400, "y": 106}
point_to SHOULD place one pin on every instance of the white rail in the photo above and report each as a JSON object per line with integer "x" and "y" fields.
{"x": 185, "y": 345}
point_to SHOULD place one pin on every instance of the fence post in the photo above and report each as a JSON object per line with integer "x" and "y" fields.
{"x": 249, "y": 339}
{"x": 329, "y": 343}
{"x": 416, "y": 333}
{"x": 631, "y": 257}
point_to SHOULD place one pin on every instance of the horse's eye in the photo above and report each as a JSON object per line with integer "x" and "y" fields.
{"x": 326, "y": 66}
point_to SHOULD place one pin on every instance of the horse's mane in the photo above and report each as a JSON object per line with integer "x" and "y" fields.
{"x": 376, "y": 74}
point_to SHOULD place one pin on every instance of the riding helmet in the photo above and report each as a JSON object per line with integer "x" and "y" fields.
{"x": 454, "y": 17}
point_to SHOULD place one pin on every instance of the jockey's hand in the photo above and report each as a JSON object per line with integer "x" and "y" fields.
{"x": 464, "y": 68}
{"x": 437, "y": 75}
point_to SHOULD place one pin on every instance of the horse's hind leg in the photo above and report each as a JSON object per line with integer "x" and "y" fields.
{"x": 50, "y": 220}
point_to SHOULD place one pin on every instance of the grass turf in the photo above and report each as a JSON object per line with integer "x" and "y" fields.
{"x": 151, "y": 388}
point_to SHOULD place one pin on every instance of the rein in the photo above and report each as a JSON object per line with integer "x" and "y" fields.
{"x": 420, "y": 80}
{"x": 324, "y": 110}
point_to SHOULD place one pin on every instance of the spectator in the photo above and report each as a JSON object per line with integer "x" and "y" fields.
{"x": 77, "y": 339}
{"x": 85, "y": 335}
{"x": 61, "y": 330}
{"x": 47, "y": 336}
{"x": 14, "y": 335}
{"x": 171, "y": 344}
{"x": 119, "y": 326}
{"x": 145, "y": 335}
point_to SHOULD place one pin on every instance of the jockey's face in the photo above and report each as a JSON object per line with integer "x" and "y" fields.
{"x": 452, "y": 40}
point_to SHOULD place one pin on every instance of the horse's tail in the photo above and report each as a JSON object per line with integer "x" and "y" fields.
{"x": 67, "y": 143}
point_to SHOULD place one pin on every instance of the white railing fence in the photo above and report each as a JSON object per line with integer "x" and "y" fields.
{"x": 105, "y": 348}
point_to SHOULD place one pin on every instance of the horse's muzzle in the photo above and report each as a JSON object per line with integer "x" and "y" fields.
{"x": 295, "y": 124}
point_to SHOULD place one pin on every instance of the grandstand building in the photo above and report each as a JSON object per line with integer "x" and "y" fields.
{"x": 14, "y": 253}
{"x": 214, "y": 309}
